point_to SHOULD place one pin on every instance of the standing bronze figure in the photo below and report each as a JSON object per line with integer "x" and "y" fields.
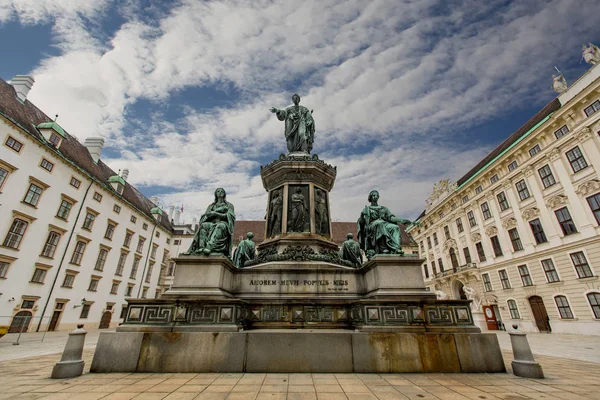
{"x": 299, "y": 126}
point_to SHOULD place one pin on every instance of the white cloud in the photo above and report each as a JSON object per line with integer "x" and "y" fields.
{"x": 405, "y": 75}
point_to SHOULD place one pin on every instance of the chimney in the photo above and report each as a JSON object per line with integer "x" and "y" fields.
{"x": 171, "y": 211}
{"x": 125, "y": 174}
{"x": 176, "y": 217}
{"x": 22, "y": 85}
{"x": 94, "y": 146}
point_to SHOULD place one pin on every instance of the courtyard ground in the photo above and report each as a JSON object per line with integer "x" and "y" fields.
{"x": 571, "y": 364}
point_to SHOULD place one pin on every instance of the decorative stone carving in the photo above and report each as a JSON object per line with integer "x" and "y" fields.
{"x": 450, "y": 243}
{"x": 584, "y": 134}
{"x": 298, "y": 211}
{"x": 308, "y": 158}
{"x": 321, "y": 213}
{"x": 275, "y": 213}
{"x": 588, "y": 187}
{"x": 441, "y": 190}
{"x": 591, "y": 53}
{"x": 441, "y": 295}
{"x": 509, "y": 223}
{"x": 476, "y": 237}
{"x": 530, "y": 213}
{"x": 491, "y": 230}
{"x": 554, "y": 154}
{"x": 559, "y": 83}
{"x": 298, "y": 253}
{"x": 474, "y": 297}
{"x": 556, "y": 201}
{"x": 528, "y": 171}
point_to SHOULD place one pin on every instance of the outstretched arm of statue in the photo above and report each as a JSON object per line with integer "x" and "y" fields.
{"x": 273, "y": 109}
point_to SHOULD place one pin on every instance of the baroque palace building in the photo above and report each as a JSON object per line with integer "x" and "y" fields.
{"x": 519, "y": 233}
{"x": 76, "y": 239}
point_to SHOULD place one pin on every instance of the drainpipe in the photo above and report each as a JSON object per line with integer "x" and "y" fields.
{"x": 147, "y": 258}
{"x": 62, "y": 259}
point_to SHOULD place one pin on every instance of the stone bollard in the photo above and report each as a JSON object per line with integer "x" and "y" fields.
{"x": 71, "y": 363}
{"x": 524, "y": 364}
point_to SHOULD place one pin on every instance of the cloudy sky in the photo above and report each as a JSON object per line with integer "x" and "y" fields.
{"x": 404, "y": 92}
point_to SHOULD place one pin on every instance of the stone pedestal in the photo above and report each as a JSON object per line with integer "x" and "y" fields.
{"x": 71, "y": 363}
{"x": 524, "y": 364}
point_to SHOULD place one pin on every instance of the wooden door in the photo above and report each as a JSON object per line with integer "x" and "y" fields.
{"x": 20, "y": 322}
{"x": 539, "y": 313}
{"x": 54, "y": 321}
{"x": 105, "y": 321}
{"x": 490, "y": 318}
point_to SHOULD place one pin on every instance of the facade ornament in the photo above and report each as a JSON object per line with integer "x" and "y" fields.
{"x": 556, "y": 201}
{"x": 476, "y": 237}
{"x": 584, "y": 134}
{"x": 449, "y": 244}
{"x": 591, "y": 53}
{"x": 441, "y": 295}
{"x": 491, "y": 230}
{"x": 463, "y": 241}
{"x": 528, "y": 171}
{"x": 588, "y": 187}
{"x": 554, "y": 154}
{"x": 531, "y": 212}
{"x": 559, "y": 83}
{"x": 441, "y": 191}
{"x": 509, "y": 223}
{"x": 474, "y": 297}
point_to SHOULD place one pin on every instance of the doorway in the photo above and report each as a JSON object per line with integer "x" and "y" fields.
{"x": 539, "y": 314}
{"x": 105, "y": 320}
{"x": 54, "y": 321}
{"x": 20, "y": 322}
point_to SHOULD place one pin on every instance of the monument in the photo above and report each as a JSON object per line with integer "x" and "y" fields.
{"x": 301, "y": 303}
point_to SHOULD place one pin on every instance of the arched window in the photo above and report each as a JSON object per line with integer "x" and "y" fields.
{"x": 563, "y": 307}
{"x": 594, "y": 299}
{"x": 453, "y": 259}
{"x": 514, "y": 310}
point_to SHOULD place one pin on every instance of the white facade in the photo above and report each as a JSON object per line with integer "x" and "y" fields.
{"x": 521, "y": 234}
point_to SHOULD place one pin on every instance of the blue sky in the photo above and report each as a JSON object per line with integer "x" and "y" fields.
{"x": 404, "y": 93}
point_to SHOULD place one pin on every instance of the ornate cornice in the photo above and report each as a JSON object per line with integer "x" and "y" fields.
{"x": 509, "y": 223}
{"x": 531, "y": 212}
{"x": 588, "y": 187}
{"x": 558, "y": 200}
{"x": 491, "y": 230}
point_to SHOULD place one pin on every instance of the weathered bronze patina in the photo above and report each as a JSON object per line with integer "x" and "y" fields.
{"x": 299, "y": 126}
{"x": 245, "y": 251}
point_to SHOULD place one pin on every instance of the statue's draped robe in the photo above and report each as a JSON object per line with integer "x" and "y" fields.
{"x": 297, "y": 217}
{"x": 275, "y": 216}
{"x": 377, "y": 231}
{"x": 350, "y": 251}
{"x": 244, "y": 252}
{"x": 299, "y": 128}
{"x": 215, "y": 233}
{"x": 321, "y": 220}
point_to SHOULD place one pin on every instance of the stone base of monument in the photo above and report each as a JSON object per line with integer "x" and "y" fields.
{"x": 298, "y": 316}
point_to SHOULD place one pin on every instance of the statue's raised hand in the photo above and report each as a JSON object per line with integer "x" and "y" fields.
{"x": 273, "y": 109}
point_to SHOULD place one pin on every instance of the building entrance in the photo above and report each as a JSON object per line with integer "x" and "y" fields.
{"x": 20, "y": 322}
{"x": 105, "y": 321}
{"x": 539, "y": 314}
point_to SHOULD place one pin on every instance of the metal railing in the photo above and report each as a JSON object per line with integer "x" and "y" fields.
{"x": 21, "y": 325}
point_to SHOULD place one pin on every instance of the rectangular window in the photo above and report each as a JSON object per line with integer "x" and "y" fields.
{"x": 502, "y": 201}
{"x": 153, "y": 252}
{"x": 54, "y": 139}
{"x": 33, "y": 195}
{"x": 546, "y": 176}
{"x": 480, "y": 252}
{"x": 38, "y": 275}
{"x": 581, "y": 265}
{"x": 594, "y": 300}
{"x": 121, "y": 264}
{"x": 140, "y": 245}
{"x": 85, "y": 311}
{"x": 157, "y": 234}
{"x": 27, "y": 304}
{"x": 50, "y": 245}
{"x": 525, "y": 276}
{"x": 576, "y": 159}
{"x": 134, "y": 268}
{"x": 441, "y": 264}
{"x": 534, "y": 150}
{"x": 69, "y": 280}
{"x": 562, "y": 131}
{"x": 522, "y": 190}
{"x": 145, "y": 226}
{"x": 478, "y": 189}
{"x": 47, "y": 165}
{"x": 117, "y": 208}
{"x": 149, "y": 272}
{"x": 515, "y": 239}
{"x": 177, "y": 241}
{"x": 110, "y": 230}
{"x": 504, "y": 279}
{"x": 114, "y": 289}
{"x": 75, "y": 182}
{"x": 595, "y": 106}
{"x": 494, "y": 179}
{"x": 550, "y": 271}
{"x": 88, "y": 222}
{"x": 101, "y": 260}
{"x": 487, "y": 284}
{"x": 128, "y": 236}
{"x": 123, "y": 312}
{"x": 514, "y": 310}
{"x": 64, "y": 210}
{"x": 566, "y": 222}
{"x": 447, "y": 232}
{"x": 426, "y": 270}
{"x": 428, "y": 242}
{"x": 15, "y": 234}
{"x": 433, "y": 268}
{"x": 14, "y": 144}
{"x": 564, "y": 308}
{"x": 435, "y": 239}
{"x": 133, "y": 219}
{"x": 467, "y": 254}
{"x": 93, "y": 285}
{"x": 471, "y": 218}
{"x": 538, "y": 231}
{"x": 422, "y": 246}
{"x": 594, "y": 203}
{"x": 459, "y": 225}
{"x": 496, "y": 246}
{"x": 3, "y": 175}
{"x": 485, "y": 210}
{"x": 144, "y": 292}
{"x": 97, "y": 197}
{"x": 465, "y": 199}
{"x": 169, "y": 241}
{"x": 3, "y": 269}
{"x": 512, "y": 166}
{"x": 78, "y": 253}
{"x": 129, "y": 290}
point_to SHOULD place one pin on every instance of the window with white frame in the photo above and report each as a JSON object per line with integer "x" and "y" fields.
{"x": 487, "y": 284}
{"x": 525, "y": 276}
{"x": 75, "y": 182}
{"x": 512, "y": 166}
{"x": 550, "y": 270}
{"x": 471, "y": 218}
{"x": 4, "y": 268}
{"x": 110, "y": 230}
{"x": 47, "y": 165}
{"x": 546, "y": 176}
{"x": 478, "y": 189}
{"x": 485, "y": 210}
{"x": 134, "y": 268}
{"x": 88, "y": 222}
{"x": 33, "y": 194}
{"x": 15, "y": 233}
{"x": 101, "y": 260}
{"x": 459, "y": 225}
{"x": 69, "y": 280}
{"x": 564, "y": 309}
{"x": 515, "y": 239}
{"x": 140, "y": 245}
{"x": 496, "y": 246}
{"x": 502, "y": 201}
{"x": 565, "y": 221}
{"x": 78, "y": 252}
{"x": 97, "y": 196}
{"x": 594, "y": 300}
{"x": 480, "y": 252}
{"x": 467, "y": 255}
{"x": 50, "y": 245}
{"x": 14, "y": 144}
{"x": 39, "y": 275}
{"x": 93, "y": 284}
{"x": 121, "y": 264}
{"x": 514, "y": 310}
{"x": 3, "y": 175}
{"x": 522, "y": 190}
{"x": 594, "y": 203}
{"x": 494, "y": 179}
{"x": 538, "y": 231}
{"x": 504, "y": 279}
{"x": 114, "y": 289}
{"x": 465, "y": 199}
{"x": 64, "y": 209}
{"x": 562, "y": 131}
{"x": 581, "y": 265}
{"x": 592, "y": 108}
{"x": 534, "y": 150}
{"x": 576, "y": 159}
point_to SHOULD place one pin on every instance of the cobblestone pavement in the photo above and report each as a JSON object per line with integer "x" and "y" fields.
{"x": 575, "y": 347}
{"x": 566, "y": 379}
